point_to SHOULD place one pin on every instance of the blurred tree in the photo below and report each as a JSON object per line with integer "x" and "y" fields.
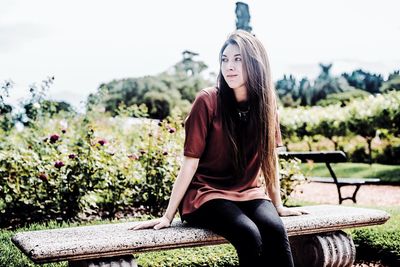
{"x": 324, "y": 85}
{"x": 364, "y": 80}
{"x": 392, "y": 83}
{"x": 306, "y": 93}
{"x": 6, "y": 118}
{"x": 342, "y": 98}
{"x": 242, "y": 17}
{"x": 45, "y": 107}
{"x": 176, "y": 87}
{"x": 288, "y": 91}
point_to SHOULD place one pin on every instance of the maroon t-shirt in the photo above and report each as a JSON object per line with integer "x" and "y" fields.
{"x": 214, "y": 178}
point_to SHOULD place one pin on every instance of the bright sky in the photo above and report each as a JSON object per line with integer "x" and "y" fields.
{"x": 86, "y": 43}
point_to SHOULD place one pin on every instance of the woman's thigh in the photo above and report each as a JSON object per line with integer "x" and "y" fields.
{"x": 262, "y": 212}
{"x": 225, "y": 218}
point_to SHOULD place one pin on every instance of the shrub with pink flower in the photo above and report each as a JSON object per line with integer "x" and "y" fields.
{"x": 54, "y": 138}
{"x": 102, "y": 142}
{"x": 58, "y": 164}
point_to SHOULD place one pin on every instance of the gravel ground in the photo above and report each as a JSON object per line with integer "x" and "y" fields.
{"x": 374, "y": 195}
{"x": 369, "y": 264}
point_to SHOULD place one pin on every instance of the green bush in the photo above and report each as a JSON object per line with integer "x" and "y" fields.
{"x": 160, "y": 146}
{"x": 381, "y": 241}
{"x": 217, "y": 256}
{"x": 359, "y": 154}
{"x": 60, "y": 168}
{"x": 47, "y": 177}
{"x": 291, "y": 176}
{"x": 390, "y": 155}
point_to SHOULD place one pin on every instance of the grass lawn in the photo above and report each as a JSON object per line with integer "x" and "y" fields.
{"x": 387, "y": 173}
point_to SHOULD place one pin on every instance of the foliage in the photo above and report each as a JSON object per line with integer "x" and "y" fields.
{"x": 60, "y": 167}
{"x": 364, "y": 80}
{"x": 221, "y": 255}
{"x": 45, "y": 107}
{"x": 161, "y": 93}
{"x": 159, "y": 150}
{"x": 392, "y": 83}
{"x": 46, "y": 177}
{"x": 366, "y": 117}
{"x": 383, "y": 240}
{"x": 342, "y": 99}
{"x": 6, "y": 119}
{"x": 5, "y": 92}
{"x": 288, "y": 91}
{"x": 307, "y": 93}
{"x": 324, "y": 85}
{"x": 389, "y": 155}
{"x": 291, "y": 176}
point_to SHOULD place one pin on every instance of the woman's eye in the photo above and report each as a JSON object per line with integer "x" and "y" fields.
{"x": 238, "y": 59}
{"x": 224, "y": 59}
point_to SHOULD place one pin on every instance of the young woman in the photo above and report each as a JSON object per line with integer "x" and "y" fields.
{"x": 231, "y": 136}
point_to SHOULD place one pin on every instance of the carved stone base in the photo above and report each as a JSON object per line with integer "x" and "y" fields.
{"x": 335, "y": 249}
{"x": 124, "y": 261}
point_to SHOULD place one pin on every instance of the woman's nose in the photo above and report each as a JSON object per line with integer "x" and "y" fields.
{"x": 231, "y": 65}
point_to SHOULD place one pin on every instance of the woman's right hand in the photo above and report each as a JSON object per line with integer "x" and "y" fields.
{"x": 156, "y": 224}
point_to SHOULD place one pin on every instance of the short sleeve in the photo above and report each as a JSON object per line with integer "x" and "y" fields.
{"x": 278, "y": 134}
{"x": 197, "y": 125}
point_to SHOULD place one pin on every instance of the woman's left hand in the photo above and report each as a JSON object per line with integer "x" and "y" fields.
{"x": 283, "y": 211}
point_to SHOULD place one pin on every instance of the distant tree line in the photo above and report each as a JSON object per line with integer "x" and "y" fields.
{"x": 327, "y": 89}
{"x": 36, "y": 105}
{"x": 174, "y": 88}
{"x": 177, "y": 87}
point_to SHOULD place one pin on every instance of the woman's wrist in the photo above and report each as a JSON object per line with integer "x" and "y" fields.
{"x": 167, "y": 217}
{"x": 278, "y": 206}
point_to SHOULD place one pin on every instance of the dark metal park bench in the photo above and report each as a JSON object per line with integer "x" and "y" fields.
{"x": 329, "y": 157}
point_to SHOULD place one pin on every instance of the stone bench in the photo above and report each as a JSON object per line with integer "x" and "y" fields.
{"x": 317, "y": 239}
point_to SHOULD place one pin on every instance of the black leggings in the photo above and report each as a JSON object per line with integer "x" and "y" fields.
{"x": 253, "y": 227}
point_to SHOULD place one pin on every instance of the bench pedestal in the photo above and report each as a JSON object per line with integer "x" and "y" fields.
{"x": 316, "y": 250}
{"x": 320, "y": 250}
{"x": 125, "y": 261}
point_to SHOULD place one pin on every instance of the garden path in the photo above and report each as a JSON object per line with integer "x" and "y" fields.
{"x": 368, "y": 195}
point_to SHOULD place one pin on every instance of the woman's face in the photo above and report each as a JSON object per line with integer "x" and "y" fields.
{"x": 232, "y": 67}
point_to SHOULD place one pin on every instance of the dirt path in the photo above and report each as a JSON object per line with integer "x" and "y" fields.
{"x": 373, "y": 195}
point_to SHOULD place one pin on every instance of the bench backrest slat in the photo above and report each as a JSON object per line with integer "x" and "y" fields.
{"x": 316, "y": 156}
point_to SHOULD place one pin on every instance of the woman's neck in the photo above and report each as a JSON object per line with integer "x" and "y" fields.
{"x": 240, "y": 94}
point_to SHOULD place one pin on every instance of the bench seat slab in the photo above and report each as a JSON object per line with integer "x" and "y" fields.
{"x": 111, "y": 240}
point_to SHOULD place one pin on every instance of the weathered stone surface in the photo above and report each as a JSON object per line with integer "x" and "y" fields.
{"x": 335, "y": 249}
{"x": 110, "y": 240}
{"x": 126, "y": 261}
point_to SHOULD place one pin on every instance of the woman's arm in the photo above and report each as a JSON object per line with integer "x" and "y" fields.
{"x": 186, "y": 173}
{"x": 274, "y": 192}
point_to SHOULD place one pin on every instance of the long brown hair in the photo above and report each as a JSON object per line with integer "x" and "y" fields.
{"x": 262, "y": 100}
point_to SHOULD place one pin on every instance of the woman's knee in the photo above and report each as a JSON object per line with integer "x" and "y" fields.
{"x": 245, "y": 236}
